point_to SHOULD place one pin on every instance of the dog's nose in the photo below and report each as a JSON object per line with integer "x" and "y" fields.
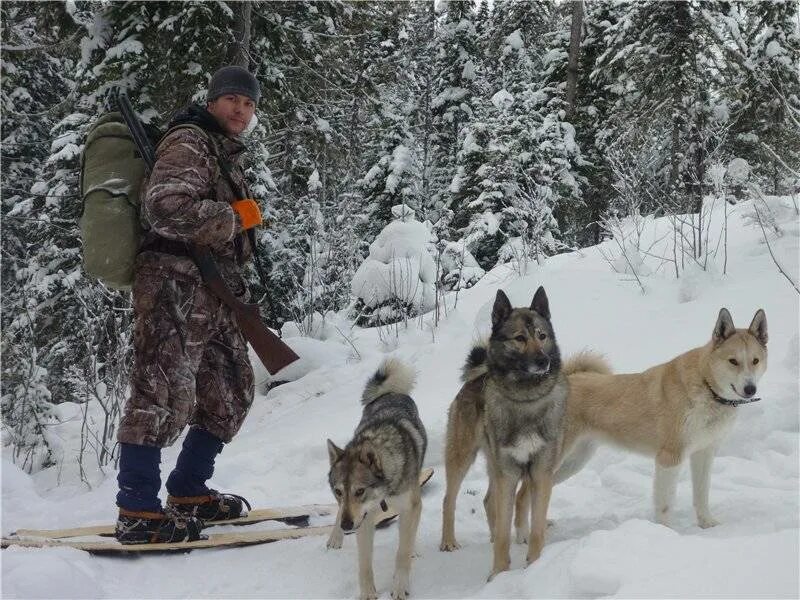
{"x": 347, "y": 524}
{"x": 542, "y": 362}
{"x": 749, "y": 390}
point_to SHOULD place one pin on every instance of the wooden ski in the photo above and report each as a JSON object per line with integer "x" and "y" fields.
{"x": 293, "y": 515}
{"x": 66, "y": 538}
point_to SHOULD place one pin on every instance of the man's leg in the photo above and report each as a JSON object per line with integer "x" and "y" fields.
{"x": 225, "y": 388}
{"x": 225, "y": 382}
{"x": 139, "y": 478}
{"x": 168, "y": 342}
{"x": 195, "y": 463}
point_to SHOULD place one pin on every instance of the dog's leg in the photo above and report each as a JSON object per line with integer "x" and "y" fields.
{"x": 504, "y": 488}
{"x": 521, "y": 511}
{"x": 542, "y": 485}
{"x": 409, "y": 521}
{"x": 337, "y": 535}
{"x": 701, "y": 481}
{"x": 460, "y": 451}
{"x": 668, "y": 466}
{"x": 489, "y": 501}
{"x": 365, "y": 538}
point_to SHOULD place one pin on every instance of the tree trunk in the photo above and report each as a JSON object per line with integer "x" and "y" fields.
{"x": 574, "y": 52}
{"x": 239, "y": 50}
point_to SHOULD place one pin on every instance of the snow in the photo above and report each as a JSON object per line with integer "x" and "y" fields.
{"x": 401, "y": 162}
{"x": 514, "y": 41}
{"x": 738, "y": 171}
{"x": 502, "y": 100}
{"x": 314, "y": 183}
{"x": 468, "y": 72}
{"x": 603, "y": 541}
{"x": 398, "y": 266}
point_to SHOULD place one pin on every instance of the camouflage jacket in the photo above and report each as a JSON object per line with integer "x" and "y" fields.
{"x": 188, "y": 199}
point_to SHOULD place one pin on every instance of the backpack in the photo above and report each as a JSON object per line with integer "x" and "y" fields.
{"x": 111, "y": 178}
{"x": 112, "y": 172}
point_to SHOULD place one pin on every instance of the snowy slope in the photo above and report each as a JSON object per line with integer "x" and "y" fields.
{"x": 603, "y": 542}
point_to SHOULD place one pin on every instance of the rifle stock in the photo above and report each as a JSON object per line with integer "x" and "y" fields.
{"x": 271, "y": 350}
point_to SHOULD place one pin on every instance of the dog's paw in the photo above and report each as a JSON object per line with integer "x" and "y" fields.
{"x": 494, "y": 574}
{"x": 400, "y": 591}
{"x": 707, "y": 521}
{"x": 335, "y": 541}
{"x": 368, "y": 594}
{"x": 532, "y": 557}
{"x": 449, "y": 546}
{"x": 497, "y": 570}
{"x": 522, "y": 536}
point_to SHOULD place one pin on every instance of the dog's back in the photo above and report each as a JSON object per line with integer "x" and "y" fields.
{"x": 391, "y": 423}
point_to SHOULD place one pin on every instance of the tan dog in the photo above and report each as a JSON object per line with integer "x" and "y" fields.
{"x": 679, "y": 409}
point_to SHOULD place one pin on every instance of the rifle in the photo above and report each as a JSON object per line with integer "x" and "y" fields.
{"x": 271, "y": 350}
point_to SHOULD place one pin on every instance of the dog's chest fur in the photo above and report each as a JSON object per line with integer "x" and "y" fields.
{"x": 524, "y": 430}
{"x": 706, "y": 422}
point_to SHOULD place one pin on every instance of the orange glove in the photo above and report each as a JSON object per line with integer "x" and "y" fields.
{"x": 248, "y": 211}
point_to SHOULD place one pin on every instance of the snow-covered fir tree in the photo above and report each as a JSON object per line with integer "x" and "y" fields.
{"x": 761, "y": 43}
{"x": 454, "y": 92}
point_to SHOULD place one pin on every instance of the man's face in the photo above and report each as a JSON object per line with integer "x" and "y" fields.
{"x": 233, "y": 111}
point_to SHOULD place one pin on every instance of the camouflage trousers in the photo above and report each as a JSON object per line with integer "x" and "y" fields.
{"x": 190, "y": 362}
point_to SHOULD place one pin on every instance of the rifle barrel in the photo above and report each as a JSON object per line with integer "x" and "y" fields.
{"x": 138, "y": 133}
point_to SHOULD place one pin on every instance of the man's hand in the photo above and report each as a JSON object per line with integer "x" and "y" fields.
{"x": 248, "y": 211}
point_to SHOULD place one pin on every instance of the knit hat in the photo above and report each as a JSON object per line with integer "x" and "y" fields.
{"x": 233, "y": 80}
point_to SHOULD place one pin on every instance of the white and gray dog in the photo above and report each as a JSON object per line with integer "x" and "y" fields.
{"x": 380, "y": 468}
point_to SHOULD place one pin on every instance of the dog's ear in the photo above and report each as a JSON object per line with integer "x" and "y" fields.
{"x": 758, "y": 327}
{"x": 371, "y": 459}
{"x": 724, "y": 327}
{"x": 501, "y": 309}
{"x": 540, "y": 303}
{"x": 334, "y": 452}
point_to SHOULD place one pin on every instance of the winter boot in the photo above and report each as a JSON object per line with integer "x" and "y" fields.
{"x": 188, "y": 493}
{"x": 211, "y": 506}
{"x": 143, "y": 527}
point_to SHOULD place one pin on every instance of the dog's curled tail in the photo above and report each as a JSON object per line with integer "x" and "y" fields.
{"x": 476, "y": 365}
{"x": 392, "y": 377}
{"x": 586, "y": 361}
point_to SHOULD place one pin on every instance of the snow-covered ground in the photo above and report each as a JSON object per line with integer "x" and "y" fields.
{"x": 603, "y": 541}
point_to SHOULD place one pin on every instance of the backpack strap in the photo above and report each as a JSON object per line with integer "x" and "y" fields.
{"x": 223, "y": 163}
{"x": 224, "y": 167}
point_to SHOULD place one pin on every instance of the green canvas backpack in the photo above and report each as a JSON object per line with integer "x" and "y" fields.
{"x": 112, "y": 172}
{"x": 111, "y": 179}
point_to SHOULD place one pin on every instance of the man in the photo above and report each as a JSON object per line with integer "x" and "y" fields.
{"x": 190, "y": 358}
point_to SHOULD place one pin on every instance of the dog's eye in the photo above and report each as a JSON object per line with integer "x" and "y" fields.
{"x": 521, "y": 339}
{"x": 359, "y": 492}
{"x": 542, "y": 336}
{"x": 338, "y": 493}
{"x": 755, "y": 361}
{"x": 734, "y": 362}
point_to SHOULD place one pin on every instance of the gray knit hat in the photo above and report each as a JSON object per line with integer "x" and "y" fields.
{"x": 233, "y": 80}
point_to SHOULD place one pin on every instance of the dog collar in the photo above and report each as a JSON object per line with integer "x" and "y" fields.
{"x": 727, "y": 401}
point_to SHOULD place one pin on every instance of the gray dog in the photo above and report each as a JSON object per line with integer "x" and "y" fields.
{"x": 380, "y": 468}
{"x": 511, "y": 406}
